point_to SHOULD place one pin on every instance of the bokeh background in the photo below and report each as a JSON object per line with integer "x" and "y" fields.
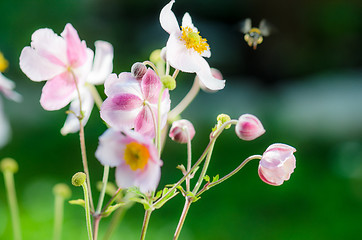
{"x": 304, "y": 82}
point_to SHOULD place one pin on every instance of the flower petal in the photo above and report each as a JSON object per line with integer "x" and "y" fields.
{"x": 58, "y": 92}
{"x": 206, "y": 76}
{"x": 7, "y": 88}
{"x": 110, "y": 150}
{"x": 124, "y": 83}
{"x": 187, "y": 22}
{"x": 36, "y": 67}
{"x": 103, "y": 63}
{"x": 168, "y": 19}
{"x": 151, "y": 86}
{"x": 144, "y": 122}
{"x": 71, "y": 124}
{"x": 76, "y": 49}
{"x": 179, "y": 57}
{"x": 4, "y": 127}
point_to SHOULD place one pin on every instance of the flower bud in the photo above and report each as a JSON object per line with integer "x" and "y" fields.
{"x": 78, "y": 179}
{"x": 62, "y": 190}
{"x": 179, "y": 129}
{"x": 155, "y": 56}
{"x": 9, "y": 164}
{"x": 168, "y": 82}
{"x": 138, "y": 70}
{"x": 249, "y": 127}
{"x": 277, "y": 164}
{"x": 223, "y": 118}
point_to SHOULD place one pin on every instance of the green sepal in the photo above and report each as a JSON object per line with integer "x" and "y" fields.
{"x": 79, "y": 202}
{"x": 215, "y": 178}
{"x": 192, "y": 196}
{"x": 111, "y": 209}
{"x": 137, "y": 191}
{"x": 207, "y": 178}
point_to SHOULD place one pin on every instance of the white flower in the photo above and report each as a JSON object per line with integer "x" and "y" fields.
{"x": 185, "y": 48}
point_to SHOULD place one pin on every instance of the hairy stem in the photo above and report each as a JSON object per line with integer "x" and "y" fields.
{"x": 182, "y": 218}
{"x": 87, "y": 212}
{"x": 146, "y": 220}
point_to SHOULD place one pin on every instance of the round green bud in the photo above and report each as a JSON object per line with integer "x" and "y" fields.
{"x": 62, "y": 190}
{"x": 78, "y": 179}
{"x": 168, "y": 82}
{"x": 155, "y": 56}
{"x": 223, "y": 118}
{"x": 9, "y": 164}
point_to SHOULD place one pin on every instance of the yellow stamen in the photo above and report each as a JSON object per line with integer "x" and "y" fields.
{"x": 3, "y": 63}
{"x": 136, "y": 155}
{"x": 194, "y": 40}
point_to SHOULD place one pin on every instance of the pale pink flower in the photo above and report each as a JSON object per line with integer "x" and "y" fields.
{"x": 249, "y": 127}
{"x": 132, "y": 103}
{"x": 277, "y": 164}
{"x": 62, "y": 60}
{"x": 134, "y": 156}
{"x": 185, "y": 48}
{"x": 181, "y": 130}
{"x": 101, "y": 69}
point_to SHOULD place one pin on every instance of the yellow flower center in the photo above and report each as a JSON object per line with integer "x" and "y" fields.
{"x": 3, "y": 63}
{"x": 194, "y": 40}
{"x": 136, "y": 155}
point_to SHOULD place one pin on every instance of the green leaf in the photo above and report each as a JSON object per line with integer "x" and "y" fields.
{"x": 207, "y": 178}
{"x": 136, "y": 191}
{"x": 214, "y": 179}
{"x": 111, "y": 209}
{"x": 158, "y": 195}
{"x": 79, "y": 202}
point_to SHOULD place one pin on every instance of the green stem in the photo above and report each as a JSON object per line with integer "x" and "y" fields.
{"x": 158, "y": 136}
{"x": 146, "y": 220}
{"x": 116, "y": 218}
{"x": 96, "y": 97}
{"x": 112, "y": 199}
{"x": 103, "y": 191}
{"x": 152, "y": 66}
{"x": 87, "y": 212}
{"x": 182, "y": 218}
{"x": 228, "y": 175}
{"x": 189, "y": 159}
{"x": 58, "y": 216}
{"x": 13, "y": 204}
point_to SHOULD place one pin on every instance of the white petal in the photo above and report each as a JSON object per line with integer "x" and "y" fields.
{"x": 7, "y": 88}
{"x": 125, "y": 83}
{"x": 110, "y": 150}
{"x": 71, "y": 124}
{"x": 168, "y": 19}
{"x": 206, "y": 77}
{"x": 36, "y": 67}
{"x": 187, "y": 22}
{"x": 179, "y": 57}
{"x": 103, "y": 63}
{"x": 4, "y": 127}
{"x": 206, "y": 53}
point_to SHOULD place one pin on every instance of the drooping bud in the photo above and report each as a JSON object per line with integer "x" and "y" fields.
{"x": 78, "y": 179}
{"x": 181, "y": 130}
{"x": 168, "y": 82}
{"x": 9, "y": 164}
{"x": 62, "y": 190}
{"x": 155, "y": 56}
{"x": 223, "y": 118}
{"x": 138, "y": 70}
{"x": 277, "y": 164}
{"x": 249, "y": 127}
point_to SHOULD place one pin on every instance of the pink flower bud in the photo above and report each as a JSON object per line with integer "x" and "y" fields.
{"x": 249, "y": 127}
{"x": 179, "y": 129}
{"x": 138, "y": 70}
{"x": 277, "y": 163}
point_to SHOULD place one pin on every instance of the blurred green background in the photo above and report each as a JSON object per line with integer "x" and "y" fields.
{"x": 304, "y": 82}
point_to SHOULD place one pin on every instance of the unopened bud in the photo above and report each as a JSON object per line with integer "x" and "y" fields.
{"x": 62, "y": 190}
{"x": 78, "y": 179}
{"x": 223, "y": 118}
{"x": 181, "y": 130}
{"x": 138, "y": 70}
{"x": 155, "y": 56}
{"x": 9, "y": 164}
{"x": 249, "y": 127}
{"x": 168, "y": 82}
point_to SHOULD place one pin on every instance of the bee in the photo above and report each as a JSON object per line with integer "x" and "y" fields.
{"x": 254, "y": 36}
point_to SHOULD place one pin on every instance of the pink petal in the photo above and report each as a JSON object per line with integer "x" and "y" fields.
{"x": 206, "y": 76}
{"x": 125, "y": 83}
{"x": 50, "y": 46}
{"x": 110, "y": 150}
{"x": 168, "y": 19}
{"x": 144, "y": 122}
{"x": 151, "y": 86}
{"x": 103, "y": 63}
{"x": 76, "y": 50}
{"x": 36, "y": 67}
{"x": 58, "y": 92}
{"x": 125, "y": 102}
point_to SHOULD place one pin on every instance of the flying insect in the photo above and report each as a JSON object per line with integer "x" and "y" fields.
{"x": 254, "y": 35}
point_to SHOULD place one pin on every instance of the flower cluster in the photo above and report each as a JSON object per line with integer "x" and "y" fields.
{"x": 137, "y": 111}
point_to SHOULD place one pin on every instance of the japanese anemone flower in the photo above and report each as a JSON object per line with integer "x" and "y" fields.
{"x": 186, "y": 49}
{"x": 134, "y": 156}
